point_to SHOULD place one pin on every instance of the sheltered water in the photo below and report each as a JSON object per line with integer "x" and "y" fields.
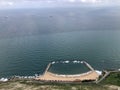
{"x": 63, "y": 68}
{"x": 90, "y": 75}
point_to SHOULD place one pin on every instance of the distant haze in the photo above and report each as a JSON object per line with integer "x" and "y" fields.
{"x": 24, "y": 22}
{"x": 10, "y": 4}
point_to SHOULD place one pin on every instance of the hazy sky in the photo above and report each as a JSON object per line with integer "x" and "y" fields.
{"x": 54, "y": 3}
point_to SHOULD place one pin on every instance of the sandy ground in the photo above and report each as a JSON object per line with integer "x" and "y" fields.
{"x": 92, "y": 75}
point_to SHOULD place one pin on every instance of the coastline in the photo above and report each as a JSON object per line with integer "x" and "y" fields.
{"x": 91, "y": 80}
{"x": 31, "y": 84}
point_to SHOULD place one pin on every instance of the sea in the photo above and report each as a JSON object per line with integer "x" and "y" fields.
{"x": 32, "y": 38}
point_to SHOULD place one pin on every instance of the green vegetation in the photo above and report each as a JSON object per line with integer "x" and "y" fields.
{"x": 25, "y": 85}
{"x": 106, "y": 84}
{"x": 113, "y": 79}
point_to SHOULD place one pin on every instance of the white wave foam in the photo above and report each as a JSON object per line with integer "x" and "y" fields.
{"x": 82, "y": 62}
{"x": 53, "y": 62}
{"x": 76, "y": 61}
{"x": 98, "y": 72}
{"x": 3, "y": 79}
{"x": 66, "y": 61}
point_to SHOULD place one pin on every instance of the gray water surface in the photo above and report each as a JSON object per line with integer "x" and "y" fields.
{"x": 30, "y": 39}
{"x": 30, "y": 55}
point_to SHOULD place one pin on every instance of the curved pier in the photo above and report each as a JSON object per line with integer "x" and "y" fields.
{"x": 91, "y": 75}
{"x": 88, "y": 65}
{"x": 48, "y": 66}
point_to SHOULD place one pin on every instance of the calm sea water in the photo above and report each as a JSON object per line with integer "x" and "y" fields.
{"x": 30, "y": 39}
{"x": 30, "y": 55}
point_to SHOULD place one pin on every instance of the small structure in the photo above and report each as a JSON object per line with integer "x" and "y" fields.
{"x": 91, "y": 75}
